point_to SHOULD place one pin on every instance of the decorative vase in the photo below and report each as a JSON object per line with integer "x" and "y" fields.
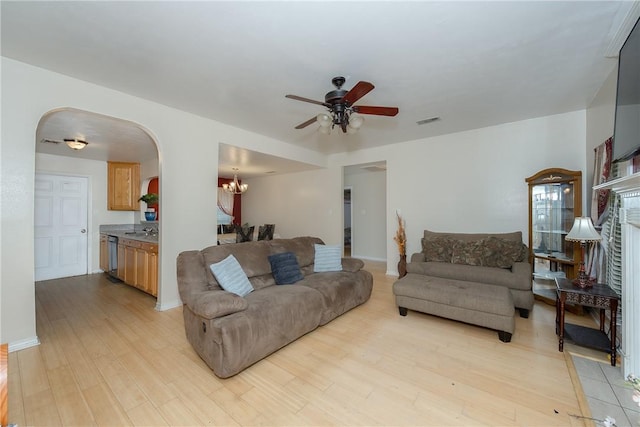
{"x": 150, "y": 216}
{"x": 402, "y": 266}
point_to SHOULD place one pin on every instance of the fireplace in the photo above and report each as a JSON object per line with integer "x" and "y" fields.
{"x": 628, "y": 188}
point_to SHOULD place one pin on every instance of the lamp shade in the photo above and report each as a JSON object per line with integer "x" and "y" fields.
{"x": 583, "y": 231}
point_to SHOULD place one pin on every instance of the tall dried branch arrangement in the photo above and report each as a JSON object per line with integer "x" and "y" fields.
{"x": 401, "y": 236}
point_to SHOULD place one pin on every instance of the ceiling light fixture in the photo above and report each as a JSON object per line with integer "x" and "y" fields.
{"x": 345, "y": 119}
{"x": 235, "y": 187}
{"x": 76, "y": 144}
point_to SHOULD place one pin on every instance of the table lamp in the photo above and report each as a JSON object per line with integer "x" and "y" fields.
{"x": 583, "y": 232}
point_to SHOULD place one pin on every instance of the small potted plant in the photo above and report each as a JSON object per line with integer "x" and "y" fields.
{"x": 151, "y": 199}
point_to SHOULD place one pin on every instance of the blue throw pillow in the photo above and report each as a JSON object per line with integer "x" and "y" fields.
{"x": 231, "y": 277}
{"x": 285, "y": 268}
{"x": 328, "y": 258}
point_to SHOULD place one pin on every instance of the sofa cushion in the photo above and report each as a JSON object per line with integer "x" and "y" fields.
{"x": 328, "y": 258}
{"x": 341, "y": 291}
{"x": 231, "y": 277}
{"x": 471, "y": 273}
{"x": 502, "y": 253}
{"x": 252, "y": 256}
{"x": 516, "y": 235}
{"x": 275, "y": 316}
{"x": 438, "y": 249}
{"x": 301, "y": 246}
{"x": 285, "y": 268}
{"x": 467, "y": 252}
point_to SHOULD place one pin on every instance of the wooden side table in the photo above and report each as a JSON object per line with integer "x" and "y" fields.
{"x": 599, "y": 296}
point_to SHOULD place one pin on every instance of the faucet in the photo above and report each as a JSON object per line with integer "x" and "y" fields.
{"x": 150, "y": 231}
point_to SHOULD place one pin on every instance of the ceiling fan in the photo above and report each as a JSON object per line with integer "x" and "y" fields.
{"x": 340, "y": 104}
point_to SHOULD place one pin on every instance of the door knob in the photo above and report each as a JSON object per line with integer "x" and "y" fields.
{"x": 84, "y": 230}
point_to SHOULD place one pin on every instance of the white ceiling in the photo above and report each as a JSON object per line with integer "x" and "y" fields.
{"x": 473, "y": 64}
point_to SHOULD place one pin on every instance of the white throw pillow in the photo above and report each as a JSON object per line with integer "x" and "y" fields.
{"x": 328, "y": 258}
{"x": 231, "y": 277}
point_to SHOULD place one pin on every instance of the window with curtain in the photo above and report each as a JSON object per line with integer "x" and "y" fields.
{"x": 225, "y": 207}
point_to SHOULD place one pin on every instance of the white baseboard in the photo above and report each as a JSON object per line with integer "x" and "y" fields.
{"x": 392, "y": 273}
{"x": 22, "y": 344}
{"x": 168, "y": 306}
{"x": 368, "y": 258}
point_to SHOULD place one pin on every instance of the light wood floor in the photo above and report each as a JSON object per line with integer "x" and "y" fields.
{"x": 108, "y": 358}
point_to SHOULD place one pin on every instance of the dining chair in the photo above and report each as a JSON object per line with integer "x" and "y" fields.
{"x": 244, "y": 234}
{"x": 265, "y": 232}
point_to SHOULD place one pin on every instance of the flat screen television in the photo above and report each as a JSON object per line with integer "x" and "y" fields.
{"x": 626, "y": 134}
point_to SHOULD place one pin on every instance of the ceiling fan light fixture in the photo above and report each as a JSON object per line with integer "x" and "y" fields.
{"x": 355, "y": 121}
{"x": 76, "y": 144}
{"x": 325, "y": 130}
{"x": 324, "y": 119}
{"x": 351, "y": 130}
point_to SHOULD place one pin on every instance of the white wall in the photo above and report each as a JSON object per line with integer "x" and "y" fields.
{"x": 471, "y": 181}
{"x": 299, "y": 204}
{"x": 368, "y": 203}
{"x": 27, "y": 94}
{"x": 96, "y": 171}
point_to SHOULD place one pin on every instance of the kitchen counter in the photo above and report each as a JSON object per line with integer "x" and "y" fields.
{"x": 130, "y": 231}
{"x": 133, "y": 235}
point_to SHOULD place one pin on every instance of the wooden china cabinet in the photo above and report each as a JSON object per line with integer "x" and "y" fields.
{"x": 555, "y": 200}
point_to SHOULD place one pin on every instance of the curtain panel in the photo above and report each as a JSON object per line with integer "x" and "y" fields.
{"x": 597, "y": 257}
{"x": 225, "y": 202}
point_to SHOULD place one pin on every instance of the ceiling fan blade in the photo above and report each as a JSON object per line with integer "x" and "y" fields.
{"x": 299, "y": 98}
{"x": 380, "y": 111}
{"x": 358, "y": 91}
{"x": 307, "y": 123}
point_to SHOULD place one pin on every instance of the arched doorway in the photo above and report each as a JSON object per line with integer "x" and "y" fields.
{"x": 108, "y": 139}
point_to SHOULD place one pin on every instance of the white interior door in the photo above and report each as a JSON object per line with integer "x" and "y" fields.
{"x": 60, "y": 226}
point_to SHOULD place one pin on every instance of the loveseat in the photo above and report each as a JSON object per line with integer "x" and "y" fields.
{"x": 231, "y": 332}
{"x": 474, "y": 278}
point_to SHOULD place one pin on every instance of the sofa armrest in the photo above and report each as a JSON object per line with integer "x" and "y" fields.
{"x": 212, "y": 304}
{"x": 522, "y": 272}
{"x": 352, "y": 264}
{"x": 417, "y": 257}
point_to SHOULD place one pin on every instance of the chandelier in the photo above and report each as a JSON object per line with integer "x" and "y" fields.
{"x": 235, "y": 187}
{"x": 344, "y": 118}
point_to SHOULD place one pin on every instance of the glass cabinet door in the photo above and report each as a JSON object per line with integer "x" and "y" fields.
{"x": 554, "y": 202}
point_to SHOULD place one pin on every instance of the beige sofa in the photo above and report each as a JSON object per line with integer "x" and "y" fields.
{"x": 231, "y": 332}
{"x": 473, "y": 278}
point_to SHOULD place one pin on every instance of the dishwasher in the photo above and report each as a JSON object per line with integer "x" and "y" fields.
{"x": 113, "y": 256}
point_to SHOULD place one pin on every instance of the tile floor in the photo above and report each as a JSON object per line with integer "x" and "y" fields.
{"x": 607, "y": 392}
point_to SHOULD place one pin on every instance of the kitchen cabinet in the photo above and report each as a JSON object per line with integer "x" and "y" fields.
{"x": 123, "y": 187}
{"x": 104, "y": 252}
{"x": 139, "y": 264}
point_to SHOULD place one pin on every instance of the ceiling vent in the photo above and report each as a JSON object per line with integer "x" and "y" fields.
{"x": 429, "y": 120}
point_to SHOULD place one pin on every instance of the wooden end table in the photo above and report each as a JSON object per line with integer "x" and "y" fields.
{"x": 599, "y": 296}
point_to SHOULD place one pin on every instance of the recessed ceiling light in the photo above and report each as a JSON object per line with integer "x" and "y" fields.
{"x": 429, "y": 120}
